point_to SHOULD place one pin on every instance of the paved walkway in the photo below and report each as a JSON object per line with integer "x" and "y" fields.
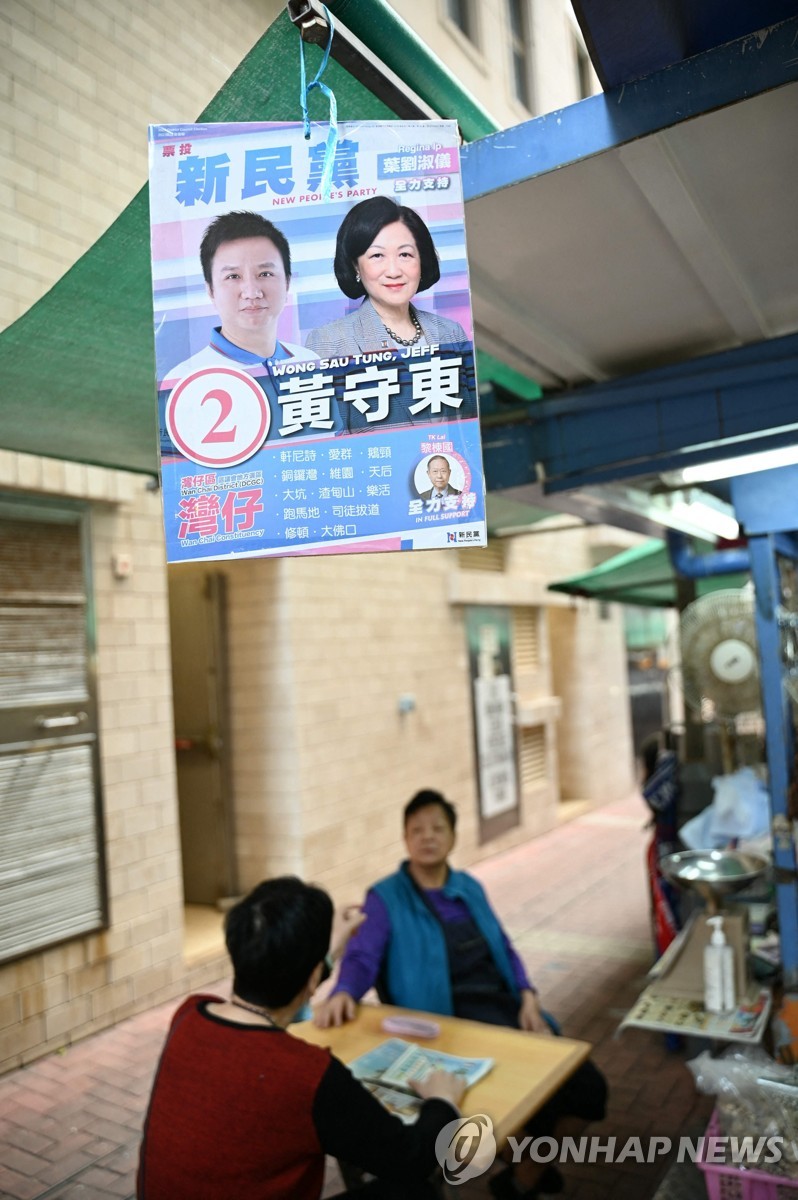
{"x": 575, "y": 902}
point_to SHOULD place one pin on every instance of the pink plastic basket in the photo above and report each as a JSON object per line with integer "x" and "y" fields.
{"x": 743, "y": 1183}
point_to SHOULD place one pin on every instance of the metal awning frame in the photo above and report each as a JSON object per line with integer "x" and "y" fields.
{"x": 726, "y": 75}
{"x": 400, "y": 70}
{"x": 736, "y": 402}
{"x": 310, "y": 18}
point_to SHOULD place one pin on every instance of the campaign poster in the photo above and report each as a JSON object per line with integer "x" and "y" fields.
{"x": 314, "y": 354}
{"x": 488, "y": 631}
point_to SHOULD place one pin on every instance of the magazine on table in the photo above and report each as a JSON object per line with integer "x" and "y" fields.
{"x": 390, "y": 1069}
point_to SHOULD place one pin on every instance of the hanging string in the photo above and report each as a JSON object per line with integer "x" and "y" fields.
{"x": 305, "y": 90}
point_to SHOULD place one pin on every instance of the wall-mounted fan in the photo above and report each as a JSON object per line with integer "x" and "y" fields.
{"x": 720, "y": 663}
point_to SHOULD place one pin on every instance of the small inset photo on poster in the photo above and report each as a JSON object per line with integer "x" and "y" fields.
{"x": 439, "y": 476}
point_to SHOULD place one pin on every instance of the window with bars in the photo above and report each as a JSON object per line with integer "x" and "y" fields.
{"x": 520, "y": 51}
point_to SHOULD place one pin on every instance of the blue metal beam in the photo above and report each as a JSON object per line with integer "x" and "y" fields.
{"x": 718, "y": 406}
{"x": 726, "y": 75}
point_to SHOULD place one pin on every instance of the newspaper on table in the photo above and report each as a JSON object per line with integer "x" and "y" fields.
{"x": 677, "y": 1014}
{"x": 389, "y": 1070}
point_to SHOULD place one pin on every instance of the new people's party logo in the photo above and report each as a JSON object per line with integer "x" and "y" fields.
{"x": 466, "y": 1148}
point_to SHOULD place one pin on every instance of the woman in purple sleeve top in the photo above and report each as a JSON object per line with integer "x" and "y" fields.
{"x": 431, "y": 941}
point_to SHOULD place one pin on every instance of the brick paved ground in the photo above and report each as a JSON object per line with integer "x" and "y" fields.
{"x": 575, "y": 903}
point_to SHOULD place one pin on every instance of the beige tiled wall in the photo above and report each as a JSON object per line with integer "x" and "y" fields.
{"x": 79, "y": 83}
{"x": 263, "y": 706}
{"x": 322, "y": 649}
{"x": 380, "y": 627}
{"x": 588, "y": 659}
{"x": 483, "y": 64}
{"x": 594, "y": 733}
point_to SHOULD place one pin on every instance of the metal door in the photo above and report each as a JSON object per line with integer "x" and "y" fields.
{"x": 51, "y": 865}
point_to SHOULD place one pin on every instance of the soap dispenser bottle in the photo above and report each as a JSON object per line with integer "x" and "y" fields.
{"x": 719, "y": 990}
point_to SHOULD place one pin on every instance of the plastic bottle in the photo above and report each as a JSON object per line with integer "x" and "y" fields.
{"x": 729, "y": 980}
{"x": 719, "y": 991}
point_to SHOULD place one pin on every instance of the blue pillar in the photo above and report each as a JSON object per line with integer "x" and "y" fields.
{"x": 766, "y": 504}
{"x": 779, "y": 741}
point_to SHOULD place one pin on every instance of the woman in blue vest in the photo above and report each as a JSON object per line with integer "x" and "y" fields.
{"x": 427, "y": 913}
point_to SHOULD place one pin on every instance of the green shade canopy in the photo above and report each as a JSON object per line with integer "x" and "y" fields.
{"x": 78, "y": 368}
{"x": 492, "y": 370}
{"x": 643, "y": 575}
{"x": 505, "y": 514}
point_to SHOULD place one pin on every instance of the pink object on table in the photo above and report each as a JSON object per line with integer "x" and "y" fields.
{"x": 411, "y": 1027}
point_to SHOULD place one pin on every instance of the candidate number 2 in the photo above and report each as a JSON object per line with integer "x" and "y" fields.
{"x": 217, "y": 416}
{"x": 215, "y": 434}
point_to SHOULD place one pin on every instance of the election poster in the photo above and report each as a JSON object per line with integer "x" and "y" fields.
{"x": 314, "y": 343}
{"x": 488, "y": 630}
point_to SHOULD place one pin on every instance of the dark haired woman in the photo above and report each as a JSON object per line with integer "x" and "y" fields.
{"x": 385, "y": 253}
{"x": 242, "y": 1110}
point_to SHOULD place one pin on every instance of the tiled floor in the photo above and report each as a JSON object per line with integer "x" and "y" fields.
{"x": 575, "y": 902}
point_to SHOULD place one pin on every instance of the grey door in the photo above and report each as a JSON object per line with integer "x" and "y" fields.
{"x": 197, "y": 614}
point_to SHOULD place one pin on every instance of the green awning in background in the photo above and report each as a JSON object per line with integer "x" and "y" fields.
{"x": 643, "y": 575}
{"x": 505, "y": 515}
{"x": 492, "y": 370}
{"x": 644, "y": 628}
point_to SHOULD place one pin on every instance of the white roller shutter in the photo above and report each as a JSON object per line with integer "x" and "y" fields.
{"x": 51, "y": 877}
